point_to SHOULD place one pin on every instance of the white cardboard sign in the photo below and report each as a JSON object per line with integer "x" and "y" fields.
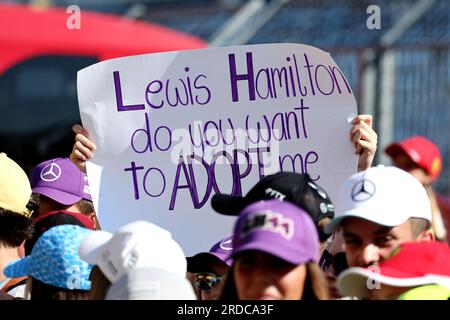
{"x": 174, "y": 128}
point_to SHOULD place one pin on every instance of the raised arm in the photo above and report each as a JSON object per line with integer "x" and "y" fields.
{"x": 83, "y": 148}
{"x": 365, "y": 140}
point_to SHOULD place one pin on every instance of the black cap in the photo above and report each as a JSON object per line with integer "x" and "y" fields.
{"x": 296, "y": 188}
{"x": 201, "y": 262}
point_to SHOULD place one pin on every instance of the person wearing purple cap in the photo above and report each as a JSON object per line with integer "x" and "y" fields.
{"x": 207, "y": 270}
{"x": 275, "y": 255}
{"x": 61, "y": 191}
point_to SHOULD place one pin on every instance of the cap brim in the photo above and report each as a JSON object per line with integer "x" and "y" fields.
{"x": 57, "y": 195}
{"x": 356, "y": 282}
{"x": 226, "y": 258}
{"x": 197, "y": 263}
{"x": 92, "y": 245}
{"x": 334, "y": 224}
{"x": 20, "y": 210}
{"x": 396, "y": 148}
{"x": 18, "y": 268}
{"x": 228, "y": 204}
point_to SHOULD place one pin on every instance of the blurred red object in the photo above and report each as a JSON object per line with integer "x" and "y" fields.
{"x": 27, "y": 32}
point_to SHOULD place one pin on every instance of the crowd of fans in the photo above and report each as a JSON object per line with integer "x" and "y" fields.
{"x": 384, "y": 237}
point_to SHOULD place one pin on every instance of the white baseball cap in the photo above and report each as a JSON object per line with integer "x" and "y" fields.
{"x": 385, "y": 195}
{"x": 135, "y": 245}
{"x": 151, "y": 284}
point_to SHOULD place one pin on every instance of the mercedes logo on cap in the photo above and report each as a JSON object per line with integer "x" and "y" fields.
{"x": 363, "y": 190}
{"x": 51, "y": 172}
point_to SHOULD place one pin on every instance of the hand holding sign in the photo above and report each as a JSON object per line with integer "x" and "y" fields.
{"x": 365, "y": 140}
{"x": 82, "y": 149}
{"x": 172, "y": 129}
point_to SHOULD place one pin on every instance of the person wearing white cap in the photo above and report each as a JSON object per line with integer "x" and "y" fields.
{"x": 150, "y": 284}
{"x": 378, "y": 209}
{"x": 131, "y": 261}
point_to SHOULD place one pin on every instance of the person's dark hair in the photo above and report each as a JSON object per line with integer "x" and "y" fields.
{"x": 33, "y": 205}
{"x": 43, "y": 224}
{"x": 99, "y": 284}
{"x": 316, "y": 286}
{"x": 14, "y": 228}
{"x": 419, "y": 225}
{"x": 43, "y": 291}
{"x": 229, "y": 292}
{"x": 86, "y": 207}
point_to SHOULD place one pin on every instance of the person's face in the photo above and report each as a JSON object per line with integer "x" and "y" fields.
{"x": 386, "y": 292}
{"x": 367, "y": 243}
{"x": 220, "y": 270}
{"x": 403, "y": 161}
{"x": 45, "y": 205}
{"x": 261, "y": 276}
{"x": 214, "y": 268}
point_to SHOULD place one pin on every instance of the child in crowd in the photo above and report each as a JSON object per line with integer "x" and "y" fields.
{"x": 208, "y": 270}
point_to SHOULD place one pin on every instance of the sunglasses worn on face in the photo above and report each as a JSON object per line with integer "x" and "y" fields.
{"x": 338, "y": 261}
{"x": 206, "y": 281}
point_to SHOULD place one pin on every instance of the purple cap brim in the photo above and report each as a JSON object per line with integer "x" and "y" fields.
{"x": 18, "y": 268}
{"x": 224, "y": 257}
{"x": 57, "y": 195}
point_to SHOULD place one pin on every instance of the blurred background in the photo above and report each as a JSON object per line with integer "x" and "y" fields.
{"x": 400, "y": 72}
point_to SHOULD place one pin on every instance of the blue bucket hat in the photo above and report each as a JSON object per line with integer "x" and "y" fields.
{"x": 54, "y": 259}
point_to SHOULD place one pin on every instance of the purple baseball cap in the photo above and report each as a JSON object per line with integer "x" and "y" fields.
{"x": 221, "y": 251}
{"x": 278, "y": 228}
{"x": 60, "y": 180}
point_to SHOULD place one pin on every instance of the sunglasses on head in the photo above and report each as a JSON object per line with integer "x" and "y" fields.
{"x": 338, "y": 261}
{"x": 206, "y": 281}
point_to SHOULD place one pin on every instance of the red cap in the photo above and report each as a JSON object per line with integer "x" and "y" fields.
{"x": 410, "y": 265}
{"x": 417, "y": 259}
{"x": 422, "y": 151}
